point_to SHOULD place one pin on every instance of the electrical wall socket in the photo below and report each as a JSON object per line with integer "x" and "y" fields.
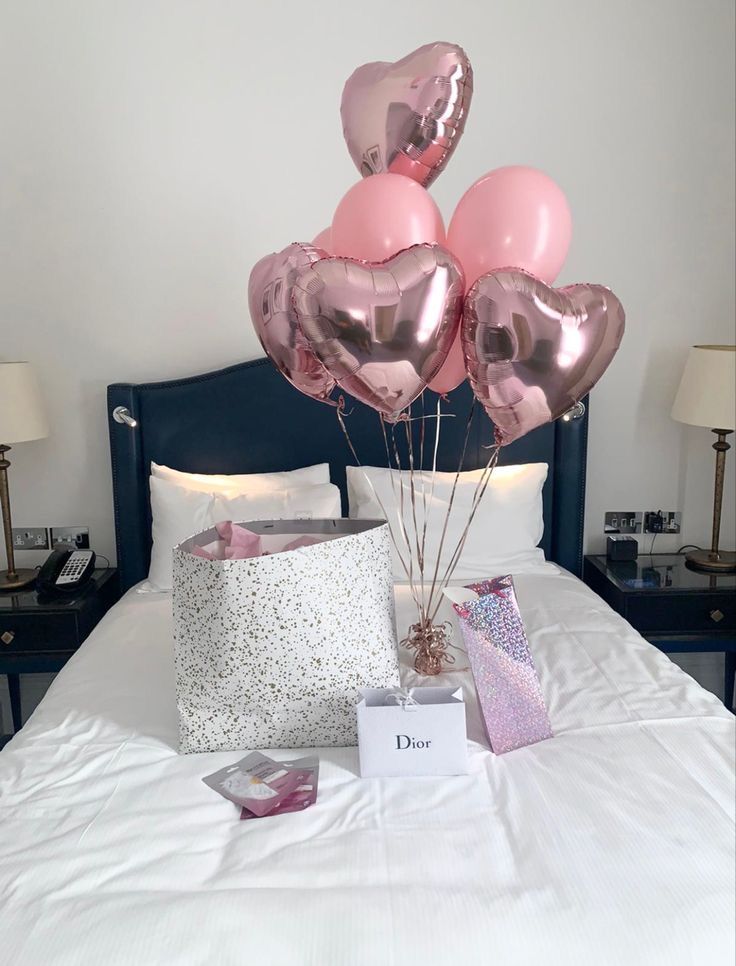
{"x": 30, "y": 538}
{"x": 73, "y": 536}
{"x": 662, "y": 521}
{"x": 622, "y": 521}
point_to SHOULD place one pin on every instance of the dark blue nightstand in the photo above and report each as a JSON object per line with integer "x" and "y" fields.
{"x": 40, "y": 634}
{"x": 675, "y": 608}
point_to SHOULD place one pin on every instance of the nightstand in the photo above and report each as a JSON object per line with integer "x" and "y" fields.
{"x": 40, "y": 633}
{"x": 675, "y": 608}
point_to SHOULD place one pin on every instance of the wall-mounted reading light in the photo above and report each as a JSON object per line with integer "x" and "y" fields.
{"x": 122, "y": 415}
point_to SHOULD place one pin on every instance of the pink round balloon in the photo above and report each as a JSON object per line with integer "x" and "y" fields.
{"x": 513, "y": 217}
{"x": 383, "y": 215}
{"x": 324, "y": 240}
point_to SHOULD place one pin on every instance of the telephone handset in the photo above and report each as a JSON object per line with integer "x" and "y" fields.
{"x": 66, "y": 571}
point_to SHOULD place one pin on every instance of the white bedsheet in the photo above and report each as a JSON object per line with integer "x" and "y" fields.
{"x": 612, "y": 843}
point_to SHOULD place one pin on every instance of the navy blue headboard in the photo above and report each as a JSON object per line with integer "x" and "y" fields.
{"x": 249, "y": 419}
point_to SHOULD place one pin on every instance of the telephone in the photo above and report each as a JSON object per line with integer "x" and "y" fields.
{"x": 66, "y": 571}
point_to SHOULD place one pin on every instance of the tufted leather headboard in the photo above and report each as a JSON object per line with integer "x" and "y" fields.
{"x": 248, "y": 419}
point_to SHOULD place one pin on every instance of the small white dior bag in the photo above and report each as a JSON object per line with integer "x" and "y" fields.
{"x": 415, "y": 731}
{"x": 271, "y": 651}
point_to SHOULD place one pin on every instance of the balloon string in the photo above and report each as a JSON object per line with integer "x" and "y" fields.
{"x": 480, "y": 489}
{"x": 408, "y": 568}
{"x": 340, "y": 409}
{"x": 412, "y": 493}
{"x": 477, "y": 498}
{"x": 431, "y": 644}
{"x": 432, "y": 485}
{"x": 451, "y": 502}
{"x": 421, "y": 433}
{"x": 402, "y": 518}
{"x": 418, "y": 419}
{"x": 423, "y": 477}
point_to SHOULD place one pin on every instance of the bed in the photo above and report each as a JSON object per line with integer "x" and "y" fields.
{"x": 611, "y": 843}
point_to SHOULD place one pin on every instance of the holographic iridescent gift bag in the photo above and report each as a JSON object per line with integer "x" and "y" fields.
{"x": 506, "y": 680}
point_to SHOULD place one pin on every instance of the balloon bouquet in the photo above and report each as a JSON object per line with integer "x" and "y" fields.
{"x": 384, "y": 303}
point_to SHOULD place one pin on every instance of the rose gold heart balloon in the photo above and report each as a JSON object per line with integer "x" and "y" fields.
{"x": 382, "y": 330}
{"x": 269, "y": 297}
{"x": 533, "y": 351}
{"x": 407, "y": 118}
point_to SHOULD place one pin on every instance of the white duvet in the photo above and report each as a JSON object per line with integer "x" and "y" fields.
{"x": 612, "y": 843}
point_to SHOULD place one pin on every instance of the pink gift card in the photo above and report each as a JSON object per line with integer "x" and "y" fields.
{"x": 256, "y": 782}
{"x": 305, "y": 793}
{"x": 506, "y": 680}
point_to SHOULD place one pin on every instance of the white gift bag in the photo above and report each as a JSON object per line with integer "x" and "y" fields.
{"x": 271, "y": 651}
{"x": 419, "y": 731}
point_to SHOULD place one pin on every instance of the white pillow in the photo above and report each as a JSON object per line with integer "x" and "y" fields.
{"x": 320, "y": 502}
{"x": 178, "y": 512}
{"x": 244, "y": 482}
{"x": 503, "y": 536}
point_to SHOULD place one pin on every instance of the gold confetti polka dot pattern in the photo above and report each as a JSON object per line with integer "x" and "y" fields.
{"x": 270, "y": 652}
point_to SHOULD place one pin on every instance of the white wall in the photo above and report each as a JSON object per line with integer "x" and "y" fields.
{"x": 150, "y": 152}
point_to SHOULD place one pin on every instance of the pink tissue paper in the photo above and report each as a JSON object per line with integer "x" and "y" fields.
{"x": 240, "y": 543}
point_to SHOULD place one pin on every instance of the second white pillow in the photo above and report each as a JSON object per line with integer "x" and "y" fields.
{"x": 507, "y": 527}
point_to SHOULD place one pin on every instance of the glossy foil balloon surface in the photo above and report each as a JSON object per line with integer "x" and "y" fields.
{"x": 276, "y": 324}
{"x": 407, "y": 117}
{"x": 533, "y": 351}
{"x": 382, "y": 330}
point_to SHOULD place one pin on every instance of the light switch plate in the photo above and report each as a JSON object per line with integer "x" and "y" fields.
{"x": 622, "y": 521}
{"x": 73, "y": 536}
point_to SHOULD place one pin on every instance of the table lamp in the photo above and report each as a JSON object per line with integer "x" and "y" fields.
{"x": 707, "y": 397}
{"x": 22, "y": 418}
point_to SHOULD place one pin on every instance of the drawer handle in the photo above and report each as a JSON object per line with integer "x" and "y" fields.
{"x": 716, "y": 615}
{"x": 7, "y": 637}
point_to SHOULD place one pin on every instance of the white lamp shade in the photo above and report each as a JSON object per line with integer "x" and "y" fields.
{"x": 707, "y": 393}
{"x": 22, "y": 413}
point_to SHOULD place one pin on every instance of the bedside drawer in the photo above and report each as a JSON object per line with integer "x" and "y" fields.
{"x": 20, "y": 633}
{"x": 683, "y": 613}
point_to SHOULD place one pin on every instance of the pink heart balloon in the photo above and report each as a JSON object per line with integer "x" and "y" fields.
{"x": 533, "y": 351}
{"x": 382, "y": 330}
{"x": 407, "y": 118}
{"x": 276, "y": 325}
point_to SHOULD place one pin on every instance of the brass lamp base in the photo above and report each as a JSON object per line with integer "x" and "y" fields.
{"x": 20, "y": 578}
{"x": 722, "y": 562}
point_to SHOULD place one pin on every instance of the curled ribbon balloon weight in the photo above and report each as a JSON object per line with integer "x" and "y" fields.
{"x": 276, "y": 325}
{"x": 533, "y": 351}
{"x": 407, "y": 117}
{"x": 382, "y": 331}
